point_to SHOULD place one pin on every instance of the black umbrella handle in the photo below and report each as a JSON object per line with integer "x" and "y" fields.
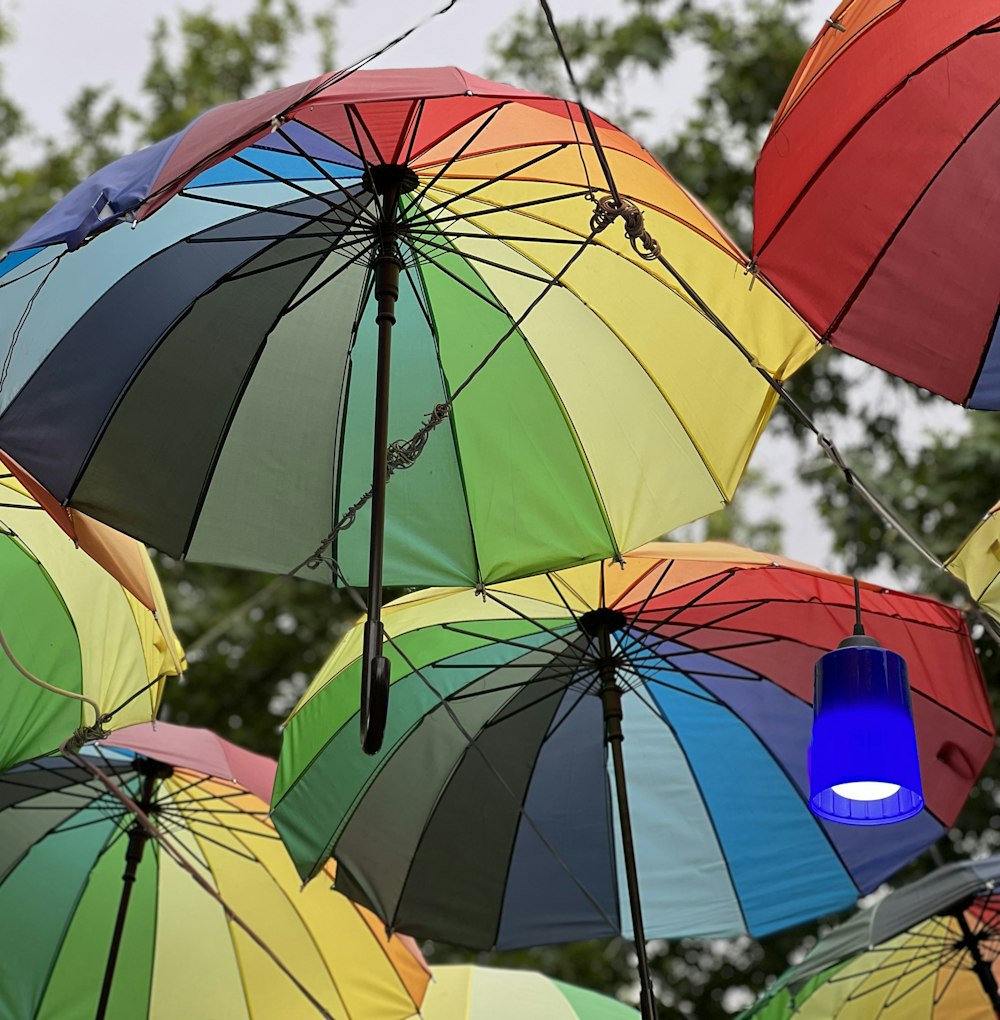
{"x": 374, "y": 666}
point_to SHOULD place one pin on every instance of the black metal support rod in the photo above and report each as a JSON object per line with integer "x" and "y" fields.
{"x": 387, "y": 268}
{"x": 979, "y": 964}
{"x": 137, "y": 840}
{"x": 611, "y": 699}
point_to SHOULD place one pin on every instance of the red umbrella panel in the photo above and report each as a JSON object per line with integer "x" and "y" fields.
{"x": 877, "y": 202}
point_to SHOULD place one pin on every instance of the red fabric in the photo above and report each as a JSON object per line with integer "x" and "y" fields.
{"x": 777, "y": 621}
{"x": 220, "y": 132}
{"x": 202, "y": 751}
{"x": 865, "y": 219}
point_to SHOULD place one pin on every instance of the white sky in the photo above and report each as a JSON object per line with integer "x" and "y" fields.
{"x": 62, "y": 45}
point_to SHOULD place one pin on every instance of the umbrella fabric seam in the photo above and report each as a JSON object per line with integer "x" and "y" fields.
{"x": 868, "y": 115}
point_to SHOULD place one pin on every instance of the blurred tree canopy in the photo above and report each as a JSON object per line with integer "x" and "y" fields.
{"x": 245, "y": 676}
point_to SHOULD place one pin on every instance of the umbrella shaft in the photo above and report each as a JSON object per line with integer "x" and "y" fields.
{"x": 133, "y": 855}
{"x": 982, "y": 968}
{"x": 386, "y": 292}
{"x": 611, "y": 699}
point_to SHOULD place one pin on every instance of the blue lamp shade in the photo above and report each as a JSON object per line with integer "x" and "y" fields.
{"x": 864, "y": 767}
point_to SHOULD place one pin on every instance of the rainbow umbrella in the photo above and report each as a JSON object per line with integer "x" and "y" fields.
{"x": 491, "y": 993}
{"x": 100, "y": 653}
{"x": 493, "y": 816}
{"x": 898, "y": 267}
{"x": 977, "y": 562}
{"x": 928, "y": 951}
{"x": 82, "y": 940}
{"x": 555, "y": 395}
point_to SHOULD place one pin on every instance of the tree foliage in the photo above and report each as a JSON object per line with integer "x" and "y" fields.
{"x": 243, "y": 680}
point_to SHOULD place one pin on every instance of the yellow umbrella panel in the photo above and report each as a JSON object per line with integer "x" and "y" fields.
{"x": 101, "y": 654}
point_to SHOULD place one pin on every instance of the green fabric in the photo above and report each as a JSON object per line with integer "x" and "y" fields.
{"x": 479, "y": 806}
{"x": 291, "y": 403}
{"x": 588, "y": 1005}
{"x": 323, "y": 774}
{"x": 41, "y": 894}
{"x": 85, "y": 948}
{"x": 428, "y": 537}
{"x": 402, "y": 797}
{"x": 37, "y": 626}
{"x": 507, "y": 419}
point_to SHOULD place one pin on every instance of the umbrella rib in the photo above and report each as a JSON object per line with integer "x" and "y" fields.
{"x": 535, "y": 622}
{"x": 654, "y": 589}
{"x": 352, "y": 198}
{"x": 492, "y": 210}
{"x": 457, "y": 155}
{"x": 277, "y": 210}
{"x": 506, "y": 175}
{"x": 439, "y": 247}
{"x": 472, "y": 744}
{"x": 352, "y": 261}
{"x": 562, "y": 598}
{"x": 492, "y": 302}
{"x": 495, "y": 720}
{"x": 349, "y": 195}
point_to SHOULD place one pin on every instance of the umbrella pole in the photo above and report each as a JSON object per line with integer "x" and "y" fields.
{"x": 151, "y": 771}
{"x": 982, "y": 968}
{"x": 611, "y": 699}
{"x": 388, "y": 181}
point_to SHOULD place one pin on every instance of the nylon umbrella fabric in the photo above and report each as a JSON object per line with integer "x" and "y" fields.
{"x": 596, "y": 406}
{"x": 977, "y": 562}
{"x": 512, "y": 840}
{"x": 898, "y": 267}
{"x": 71, "y": 624}
{"x": 124, "y": 559}
{"x": 64, "y": 839}
{"x": 921, "y": 953}
{"x": 493, "y": 993}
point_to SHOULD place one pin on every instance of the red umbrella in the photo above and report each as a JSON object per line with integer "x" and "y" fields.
{"x": 877, "y": 201}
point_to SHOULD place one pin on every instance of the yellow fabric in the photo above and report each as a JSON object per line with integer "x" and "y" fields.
{"x": 977, "y": 562}
{"x": 914, "y": 976}
{"x": 493, "y": 993}
{"x": 124, "y": 648}
{"x": 546, "y": 596}
{"x": 334, "y": 948}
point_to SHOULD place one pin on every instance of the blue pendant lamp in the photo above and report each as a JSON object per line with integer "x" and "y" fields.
{"x": 864, "y": 768}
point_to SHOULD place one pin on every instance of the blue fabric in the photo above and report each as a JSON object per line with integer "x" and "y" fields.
{"x": 783, "y": 723}
{"x": 985, "y": 395}
{"x": 783, "y": 867}
{"x": 287, "y": 166}
{"x": 309, "y": 141}
{"x": 100, "y": 353}
{"x": 16, "y": 258}
{"x": 97, "y": 203}
{"x": 568, "y": 799}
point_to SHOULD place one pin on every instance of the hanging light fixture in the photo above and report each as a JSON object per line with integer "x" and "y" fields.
{"x": 864, "y": 768}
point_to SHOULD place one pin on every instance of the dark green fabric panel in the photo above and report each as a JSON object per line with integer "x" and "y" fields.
{"x": 74, "y": 987}
{"x": 402, "y": 796}
{"x": 37, "y": 626}
{"x": 428, "y": 538}
{"x": 270, "y": 501}
{"x": 41, "y": 893}
{"x": 154, "y": 458}
{"x": 24, "y": 824}
{"x": 315, "y": 798}
{"x": 456, "y": 882}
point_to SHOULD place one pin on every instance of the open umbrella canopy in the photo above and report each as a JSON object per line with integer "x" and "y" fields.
{"x": 928, "y": 951}
{"x": 72, "y": 625}
{"x": 977, "y": 562}
{"x": 595, "y": 405}
{"x": 490, "y": 816}
{"x": 65, "y": 840}
{"x": 491, "y": 993}
{"x": 898, "y": 267}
